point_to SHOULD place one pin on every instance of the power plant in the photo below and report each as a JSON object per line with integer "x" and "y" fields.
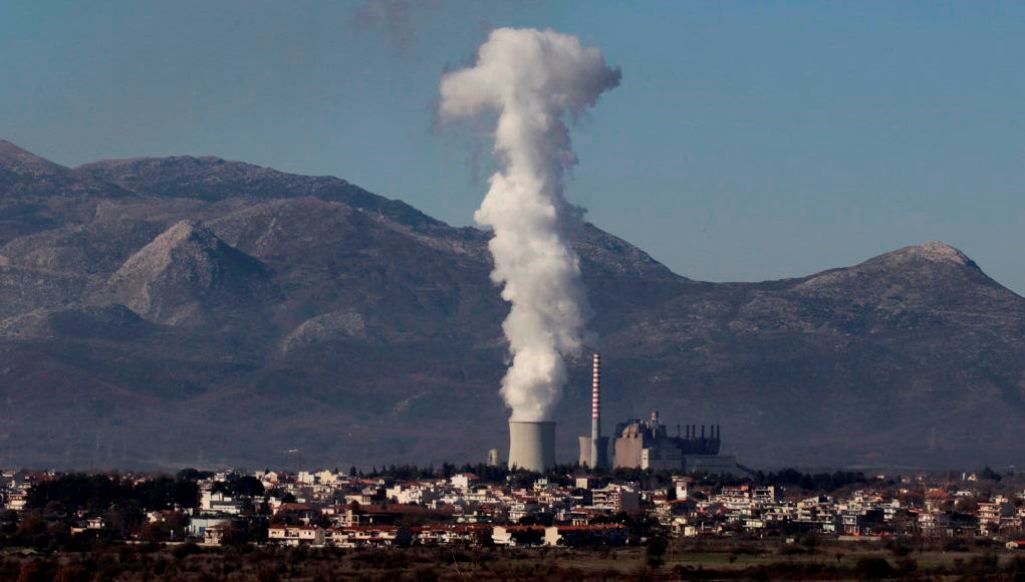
{"x": 646, "y": 444}
{"x": 594, "y": 448}
{"x": 532, "y": 445}
{"x": 636, "y": 444}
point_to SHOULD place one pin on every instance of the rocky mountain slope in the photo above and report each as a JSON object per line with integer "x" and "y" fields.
{"x": 183, "y": 311}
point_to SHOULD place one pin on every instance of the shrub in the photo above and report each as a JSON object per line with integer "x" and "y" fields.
{"x": 427, "y": 575}
{"x": 871, "y": 568}
{"x": 185, "y": 550}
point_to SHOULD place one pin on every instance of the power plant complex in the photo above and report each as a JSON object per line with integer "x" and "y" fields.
{"x": 647, "y": 445}
{"x": 637, "y": 444}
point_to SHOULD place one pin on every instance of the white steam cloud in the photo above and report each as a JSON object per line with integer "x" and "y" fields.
{"x": 532, "y": 79}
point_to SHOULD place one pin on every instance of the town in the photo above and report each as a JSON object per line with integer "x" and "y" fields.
{"x": 487, "y": 506}
{"x": 348, "y": 509}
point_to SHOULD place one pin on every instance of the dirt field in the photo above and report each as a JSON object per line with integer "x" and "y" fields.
{"x": 681, "y": 561}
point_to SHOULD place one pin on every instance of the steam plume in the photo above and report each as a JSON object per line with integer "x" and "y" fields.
{"x": 532, "y": 79}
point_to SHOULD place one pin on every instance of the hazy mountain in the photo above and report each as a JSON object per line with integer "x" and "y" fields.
{"x": 182, "y": 311}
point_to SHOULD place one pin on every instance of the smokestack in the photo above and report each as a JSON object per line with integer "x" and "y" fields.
{"x": 594, "y": 449}
{"x": 599, "y": 444}
{"x": 596, "y": 396}
{"x": 532, "y": 445}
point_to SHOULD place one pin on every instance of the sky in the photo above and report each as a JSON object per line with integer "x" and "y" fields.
{"x": 747, "y": 141}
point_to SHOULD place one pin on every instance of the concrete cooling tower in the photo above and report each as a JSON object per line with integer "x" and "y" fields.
{"x": 532, "y": 445}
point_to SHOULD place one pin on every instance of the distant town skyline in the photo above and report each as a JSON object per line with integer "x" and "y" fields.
{"x": 746, "y": 141}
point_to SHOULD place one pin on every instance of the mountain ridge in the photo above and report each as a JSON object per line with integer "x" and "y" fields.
{"x": 305, "y": 313}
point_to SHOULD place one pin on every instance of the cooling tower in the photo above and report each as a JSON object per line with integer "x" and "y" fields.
{"x": 532, "y": 445}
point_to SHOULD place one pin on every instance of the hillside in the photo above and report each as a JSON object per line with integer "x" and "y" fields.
{"x": 196, "y": 311}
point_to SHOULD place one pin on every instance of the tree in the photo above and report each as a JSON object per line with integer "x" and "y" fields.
{"x": 529, "y": 537}
{"x": 152, "y": 532}
{"x": 31, "y": 525}
{"x": 191, "y": 474}
{"x": 240, "y": 485}
{"x": 656, "y": 551}
{"x": 990, "y": 474}
{"x": 34, "y": 571}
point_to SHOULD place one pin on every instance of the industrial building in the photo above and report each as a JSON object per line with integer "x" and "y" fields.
{"x": 646, "y": 444}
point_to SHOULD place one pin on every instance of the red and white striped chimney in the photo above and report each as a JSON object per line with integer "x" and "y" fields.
{"x": 596, "y": 396}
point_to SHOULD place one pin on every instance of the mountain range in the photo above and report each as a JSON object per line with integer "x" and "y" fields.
{"x": 193, "y": 311}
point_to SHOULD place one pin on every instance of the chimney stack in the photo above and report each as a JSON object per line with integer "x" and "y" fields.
{"x": 594, "y": 449}
{"x": 596, "y": 396}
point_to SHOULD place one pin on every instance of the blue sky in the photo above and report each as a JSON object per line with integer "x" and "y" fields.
{"x": 748, "y": 140}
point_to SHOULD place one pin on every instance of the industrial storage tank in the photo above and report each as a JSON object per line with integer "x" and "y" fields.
{"x": 532, "y": 445}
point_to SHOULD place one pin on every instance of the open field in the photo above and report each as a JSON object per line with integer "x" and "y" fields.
{"x": 686, "y": 560}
